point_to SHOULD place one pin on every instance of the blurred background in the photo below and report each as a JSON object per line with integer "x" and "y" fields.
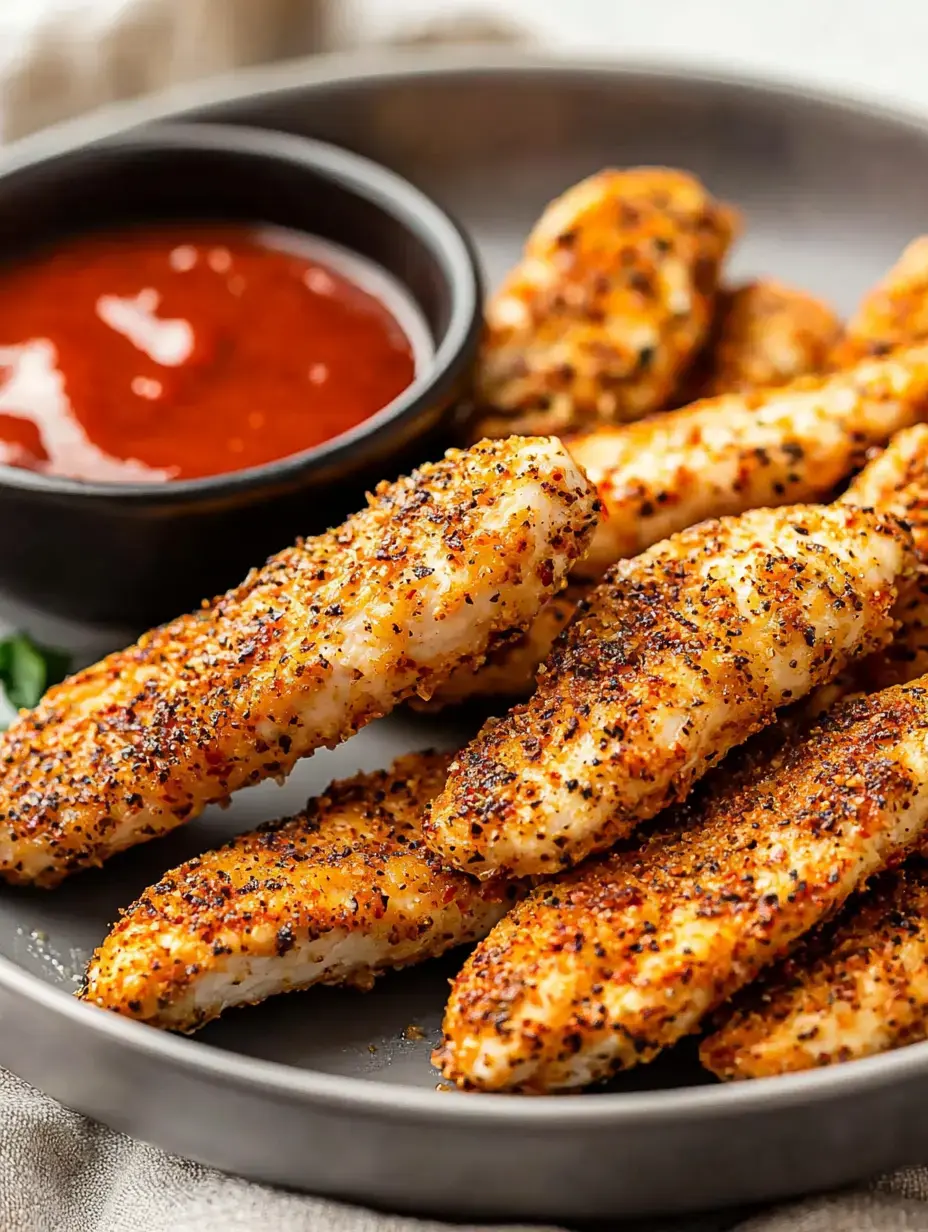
{"x": 61, "y": 57}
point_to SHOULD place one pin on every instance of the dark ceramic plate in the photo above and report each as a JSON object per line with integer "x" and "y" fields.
{"x": 321, "y": 1090}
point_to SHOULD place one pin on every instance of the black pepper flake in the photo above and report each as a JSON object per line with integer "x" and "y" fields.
{"x": 285, "y": 939}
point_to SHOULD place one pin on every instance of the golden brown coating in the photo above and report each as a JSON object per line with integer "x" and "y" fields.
{"x": 893, "y": 314}
{"x": 765, "y": 334}
{"x": 906, "y": 656}
{"x": 667, "y": 472}
{"x": 608, "y": 306}
{"x": 896, "y": 482}
{"x": 681, "y": 654}
{"x": 733, "y": 453}
{"x": 325, "y": 637}
{"x": 713, "y": 462}
{"x": 855, "y": 988}
{"x": 509, "y": 672}
{"x": 602, "y": 968}
{"x": 860, "y": 986}
{"x": 336, "y": 895}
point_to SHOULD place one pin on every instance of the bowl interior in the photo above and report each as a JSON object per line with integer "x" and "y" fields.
{"x": 830, "y": 195}
{"x": 169, "y": 173}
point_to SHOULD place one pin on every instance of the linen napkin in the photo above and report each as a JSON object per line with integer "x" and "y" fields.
{"x": 60, "y": 1172}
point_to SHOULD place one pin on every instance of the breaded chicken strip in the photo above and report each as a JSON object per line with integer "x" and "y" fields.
{"x": 606, "y": 966}
{"x": 336, "y": 895}
{"x": 860, "y": 987}
{"x": 853, "y": 989}
{"x": 897, "y": 482}
{"x": 681, "y": 654}
{"x": 323, "y": 638}
{"x": 893, "y": 314}
{"x": 509, "y": 672}
{"x": 725, "y": 456}
{"x": 608, "y": 307}
{"x": 733, "y": 453}
{"x": 765, "y": 334}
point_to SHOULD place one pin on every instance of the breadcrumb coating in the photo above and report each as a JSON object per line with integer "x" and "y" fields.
{"x": 765, "y": 334}
{"x": 602, "y": 968}
{"x": 608, "y": 307}
{"x": 328, "y": 635}
{"x": 681, "y": 654}
{"x": 893, "y": 314}
{"x": 336, "y": 895}
{"x": 742, "y": 451}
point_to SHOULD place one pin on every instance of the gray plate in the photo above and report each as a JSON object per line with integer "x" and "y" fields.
{"x": 321, "y": 1090}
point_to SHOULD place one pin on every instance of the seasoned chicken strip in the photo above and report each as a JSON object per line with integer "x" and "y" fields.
{"x": 860, "y": 987}
{"x": 853, "y": 989}
{"x": 725, "y": 456}
{"x": 608, "y": 307}
{"x": 336, "y": 895}
{"x": 734, "y": 453}
{"x": 509, "y": 672}
{"x": 325, "y": 637}
{"x": 897, "y": 482}
{"x": 893, "y": 314}
{"x": 609, "y": 964}
{"x": 677, "y": 657}
{"x": 765, "y": 334}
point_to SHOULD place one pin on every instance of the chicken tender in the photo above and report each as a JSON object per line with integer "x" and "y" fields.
{"x": 336, "y": 895}
{"x": 855, "y": 988}
{"x": 739, "y": 452}
{"x": 897, "y": 482}
{"x": 893, "y": 314}
{"x": 509, "y": 673}
{"x": 859, "y": 988}
{"x": 608, "y": 307}
{"x": 724, "y": 456}
{"x": 325, "y": 637}
{"x": 604, "y": 967}
{"x": 765, "y": 334}
{"x": 677, "y": 657}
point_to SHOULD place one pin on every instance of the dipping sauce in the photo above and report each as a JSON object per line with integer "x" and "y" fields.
{"x": 175, "y": 352}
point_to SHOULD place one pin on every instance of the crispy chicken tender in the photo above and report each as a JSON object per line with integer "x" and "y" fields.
{"x": 734, "y": 453}
{"x": 609, "y": 305}
{"x": 860, "y": 987}
{"x": 677, "y": 657}
{"x": 509, "y": 672}
{"x": 893, "y": 314}
{"x": 608, "y": 965}
{"x": 725, "y": 456}
{"x": 325, "y": 637}
{"x": 336, "y": 895}
{"x": 765, "y": 334}
{"x": 897, "y": 482}
{"x": 853, "y": 989}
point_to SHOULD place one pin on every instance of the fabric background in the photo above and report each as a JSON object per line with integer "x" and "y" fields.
{"x": 58, "y": 1171}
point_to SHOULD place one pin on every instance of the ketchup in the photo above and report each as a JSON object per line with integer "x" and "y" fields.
{"x": 175, "y": 352}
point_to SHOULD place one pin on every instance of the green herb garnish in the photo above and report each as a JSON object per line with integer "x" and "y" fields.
{"x": 27, "y": 670}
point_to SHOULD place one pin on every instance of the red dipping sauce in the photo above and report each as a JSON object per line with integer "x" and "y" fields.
{"x": 176, "y": 352}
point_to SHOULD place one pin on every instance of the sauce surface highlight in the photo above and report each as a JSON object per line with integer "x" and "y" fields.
{"x": 177, "y": 352}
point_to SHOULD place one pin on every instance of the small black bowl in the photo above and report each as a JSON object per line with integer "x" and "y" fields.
{"x": 133, "y": 554}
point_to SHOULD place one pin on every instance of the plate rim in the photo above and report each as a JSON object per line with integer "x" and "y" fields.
{"x": 346, "y": 1093}
{"x": 341, "y": 67}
